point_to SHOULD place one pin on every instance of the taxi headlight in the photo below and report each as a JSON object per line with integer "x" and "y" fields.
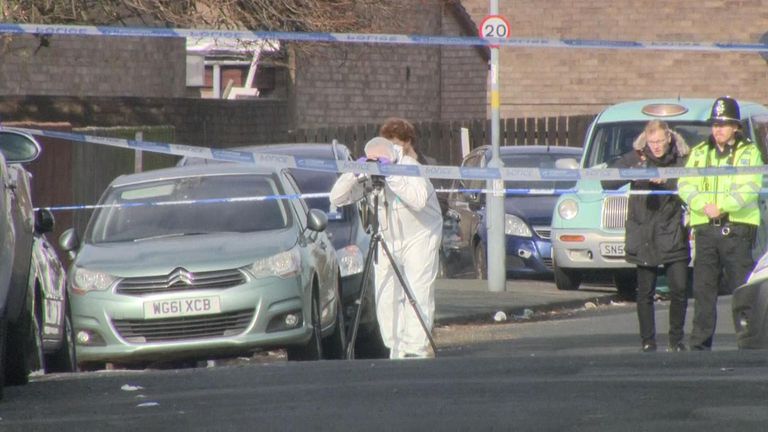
{"x": 283, "y": 265}
{"x": 513, "y": 225}
{"x": 568, "y": 209}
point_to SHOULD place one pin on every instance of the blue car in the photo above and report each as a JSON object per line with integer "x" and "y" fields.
{"x": 527, "y": 218}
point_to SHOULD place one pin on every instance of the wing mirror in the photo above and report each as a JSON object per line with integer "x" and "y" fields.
{"x": 44, "y": 221}
{"x": 69, "y": 242}
{"x": 317, "y": 220}
{"x": 18, "y": 147}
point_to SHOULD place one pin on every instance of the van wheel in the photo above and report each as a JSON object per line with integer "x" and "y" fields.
{"x": 566, "y": 279}
{"x": 65, "y": 358}
{"x": 26, "y": 338}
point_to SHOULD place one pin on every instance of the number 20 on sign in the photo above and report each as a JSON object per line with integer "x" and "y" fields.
{"x": 495, "y": 27}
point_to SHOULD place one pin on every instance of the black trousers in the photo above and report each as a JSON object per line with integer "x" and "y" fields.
{"x": 677, "y": 276}
{"x": 723, "y": 256}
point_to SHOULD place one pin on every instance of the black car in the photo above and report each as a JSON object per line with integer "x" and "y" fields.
{"x": 346, "y": 229}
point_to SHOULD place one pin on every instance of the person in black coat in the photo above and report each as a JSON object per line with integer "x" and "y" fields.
{"x": 656, "y": 233}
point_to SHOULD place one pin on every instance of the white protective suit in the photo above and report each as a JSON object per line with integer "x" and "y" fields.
{"x": 411, "y": 225}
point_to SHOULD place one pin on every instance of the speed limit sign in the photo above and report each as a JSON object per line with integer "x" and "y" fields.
{"x": 494, "y": 26}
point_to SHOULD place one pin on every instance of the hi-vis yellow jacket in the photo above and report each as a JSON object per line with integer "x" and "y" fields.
{"x": 736, "y": 195}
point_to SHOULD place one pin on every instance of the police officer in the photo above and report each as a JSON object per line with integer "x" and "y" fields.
{"x": 724, "y": 215}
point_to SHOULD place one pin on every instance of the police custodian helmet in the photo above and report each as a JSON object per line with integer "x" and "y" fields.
{"x": 725, "y": 109}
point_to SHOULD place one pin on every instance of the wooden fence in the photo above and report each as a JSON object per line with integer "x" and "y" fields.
{"x": 442, "y": 140}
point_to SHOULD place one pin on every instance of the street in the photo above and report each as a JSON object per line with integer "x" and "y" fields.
{"x": 578, "y": 370}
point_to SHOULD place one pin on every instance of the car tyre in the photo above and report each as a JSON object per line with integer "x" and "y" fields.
{"x": 335, "y": 345}
{"x": 65, "y": 358}
{"x": 3, "y": 344}
{"x": 26, "y": 334}
{"x": 481, "y": 264}
{"x": 313, "y": 349}
{"x": 626, "y": 284}
{"x": 565, "y": 279}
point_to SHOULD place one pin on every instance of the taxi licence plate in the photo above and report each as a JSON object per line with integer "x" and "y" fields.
{"x": 182, "y": 307}
{"x": 612, "y": 249}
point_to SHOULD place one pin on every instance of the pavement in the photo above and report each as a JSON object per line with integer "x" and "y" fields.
{"x": 470, "y": 300}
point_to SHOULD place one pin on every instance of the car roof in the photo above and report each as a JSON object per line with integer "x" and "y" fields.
{"x": 698, "y": 110}
{"x": 532, "y": 149}
{"x": 317, "y": 150}
{"x": 192, "y": 171}
{"x": 307, "y": 150}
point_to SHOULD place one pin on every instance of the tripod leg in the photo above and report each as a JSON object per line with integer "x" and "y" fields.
{"x": 411, "y": 299}
{"x": 361, "y": 296}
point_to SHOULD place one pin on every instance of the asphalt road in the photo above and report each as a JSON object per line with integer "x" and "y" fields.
{"x": 579, "y": 371}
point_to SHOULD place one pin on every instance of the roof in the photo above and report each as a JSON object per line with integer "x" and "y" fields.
{"x": 698, "y": 110}
{"x": 192, "y": 171}
{"x": 467, "y": 24}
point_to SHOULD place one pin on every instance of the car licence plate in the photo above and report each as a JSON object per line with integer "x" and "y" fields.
{"x": 612, "y": 249}
{"x": 182, "y": 307}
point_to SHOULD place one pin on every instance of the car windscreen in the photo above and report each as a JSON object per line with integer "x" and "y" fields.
{"x": 536, "y": 160}
{"x": 319, "y": 182}
{"x": 189, "y": 206}
{"x": 611, "y": 140}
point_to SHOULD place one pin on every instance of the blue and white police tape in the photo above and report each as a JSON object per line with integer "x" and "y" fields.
{"x": 333, "y": 214}
{"x": 426, "y": 171}
{"x": 222, "y": 200}
{"x": 374, "y": 38}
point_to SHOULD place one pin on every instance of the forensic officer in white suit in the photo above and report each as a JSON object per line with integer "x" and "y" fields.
{"x": 410, "y": 223}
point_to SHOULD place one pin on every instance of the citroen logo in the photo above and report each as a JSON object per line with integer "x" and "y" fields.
{"x": 180, "y": 275}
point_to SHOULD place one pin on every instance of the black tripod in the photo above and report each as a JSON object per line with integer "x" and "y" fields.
{"x": 373, "y": 188}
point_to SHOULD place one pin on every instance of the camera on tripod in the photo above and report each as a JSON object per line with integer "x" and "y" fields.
{"x": 376, "y": 181}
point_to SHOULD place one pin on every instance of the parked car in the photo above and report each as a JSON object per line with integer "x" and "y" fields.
{"x": 32, "y": 304}
{"x": 749, "y": 306}
{"x": 527, "y": 216}
{"x": 588, "y": 225}
{"x": 346, "y": 229}
{"x": 185, "y": 263}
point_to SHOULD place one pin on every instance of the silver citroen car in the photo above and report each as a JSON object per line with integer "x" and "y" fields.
{"x": 203, "y": 262}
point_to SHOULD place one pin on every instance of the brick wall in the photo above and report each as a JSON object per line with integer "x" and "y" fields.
{"x": 346, "y": 84}
{"x": 93, "y": 66}
{"x": 539, "y": 82}
{"x": 204, "y": 122}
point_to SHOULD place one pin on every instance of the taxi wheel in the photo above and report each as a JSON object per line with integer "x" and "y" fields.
{"x": 626, "y": 284}
{"x": 565, "y": 279}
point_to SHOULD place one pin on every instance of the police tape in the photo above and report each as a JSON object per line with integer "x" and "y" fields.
{"x": 426, "y": 171}
{"x": 374, "y": 38}
{"x": 334, "y": 214}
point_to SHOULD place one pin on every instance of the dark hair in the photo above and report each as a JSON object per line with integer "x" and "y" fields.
{"x": 399, "y": 128}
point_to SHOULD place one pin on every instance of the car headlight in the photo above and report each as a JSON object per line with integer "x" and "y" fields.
{"x": 568, "y": 209}
{"x": 283, "y": 265}
{"x": 513, "y": 225}
{"x": 351, "y": 260}
{"x": 84, "y": 281}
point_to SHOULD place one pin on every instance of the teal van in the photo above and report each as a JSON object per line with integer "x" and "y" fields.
{"x": 588, "y": 225}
